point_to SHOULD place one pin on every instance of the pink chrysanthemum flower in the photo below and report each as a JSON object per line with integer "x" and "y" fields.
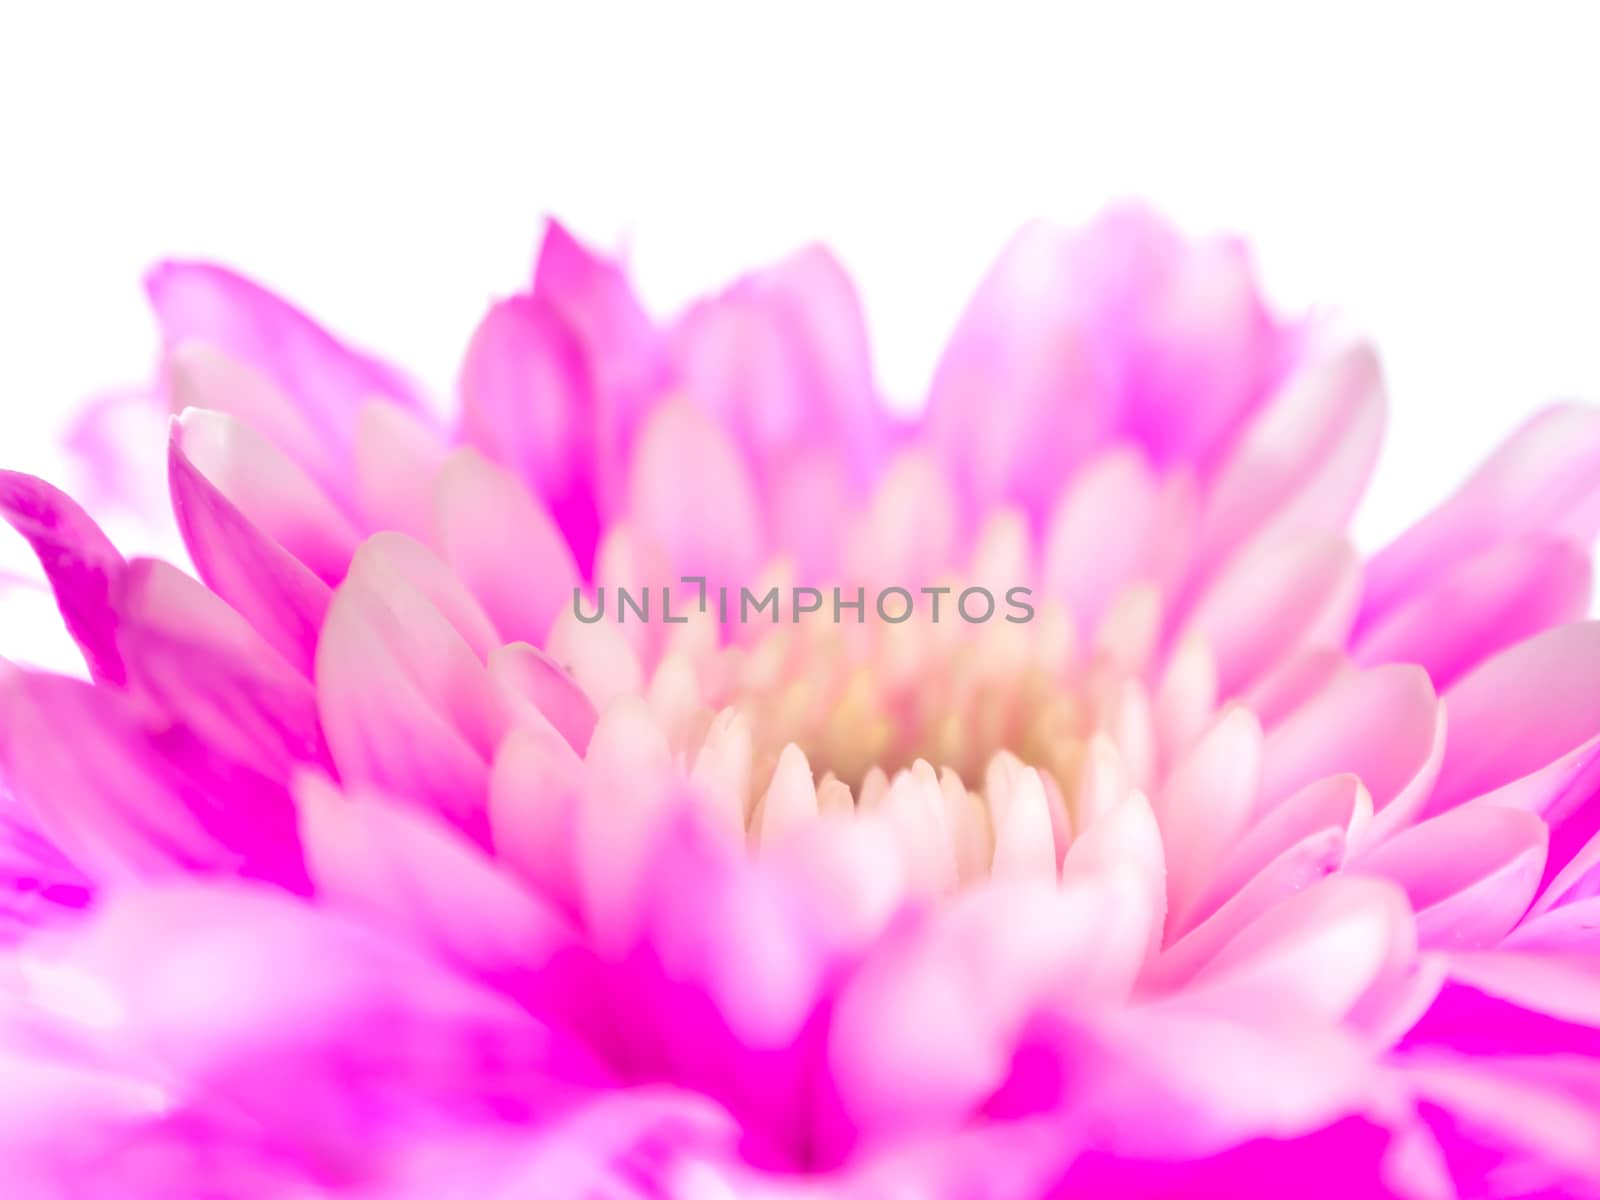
{"x": 400, "y": 855}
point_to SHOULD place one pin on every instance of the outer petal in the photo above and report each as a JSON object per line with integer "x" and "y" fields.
{"x": 1523, "y": 723}
{"x": 1480, "y": 606}
{"x": 200, "y": 663}
{"x": 269, "y": 489}
{"x": 327, "y": 381}
{"x": 79, "y": 560}
{"x": 1470, "y": 873}
{"x": 1542, "y": 482}
{"x": 124, "y": 800}
{"x": 271, "y": 588}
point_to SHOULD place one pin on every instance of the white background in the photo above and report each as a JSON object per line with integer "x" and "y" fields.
{"x": 1429, "y": 169}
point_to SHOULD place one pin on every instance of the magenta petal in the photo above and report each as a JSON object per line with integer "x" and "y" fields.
{"x": 327, "y": 381}
{"x": 1480, "y": 606}
{"x": 124, "y": 800}
{"x": 271, "y": 588}
{"x": 342, "y": 1041}
{"x": 78, "y": 559}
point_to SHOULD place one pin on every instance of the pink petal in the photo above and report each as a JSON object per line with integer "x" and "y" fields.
{"x": 1313, "y": 956}
{"x": 1303, "y": 461}
{"x": 1207, "y": 803}
{"x": 527, "y": 403}
{"x": 264, "y": 484}
{"x": 404, "y": 871}
{"x": 781, "y": 360}
{"x": 327, "y": 381}
{"x": 396, "y": 456}
{"x": 1301, "y": 824}
{"x": 503, "y": 546}
{"x": 404, "y": 699}
{"x": 271, "y": 588}
{"x": 127, "y": 801}
{"x": 79, "y": 560}
{"x": 535, "y": 786}
{"x": 1480, "y": 606}
{"x": 691, "y": 495}
{"x": 621, "y": 348}
{"x": 1385, "y": 726}
{"x": 1542, "y": 482}
{"x": 533, "y": 676}
{"x": 1470, "y": 873}
{"x": 1087, "y": 559}
{"x": 199, "y": 375}
{"x": 1277, "y": 600}
{"x": 200, "y": 662}
{"x": 242, "y": 990}
{"x": 1520, "y": 752}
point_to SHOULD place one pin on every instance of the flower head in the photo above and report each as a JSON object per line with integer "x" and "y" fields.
{"x": 675, "y": 773}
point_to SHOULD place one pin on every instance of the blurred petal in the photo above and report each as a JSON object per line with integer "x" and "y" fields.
{"x": 80, "y": 562}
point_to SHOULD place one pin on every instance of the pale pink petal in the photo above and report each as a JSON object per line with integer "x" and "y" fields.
{"x": 530, "y": 674}
{"x": 535, "y": 786}
{"x": 396, "y": 456}
{"x": 1088, "y": 559}
{"x": 1206, "y": 804}
{"x": 1298, "y": 838}
{"x": 692, "y": 496}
